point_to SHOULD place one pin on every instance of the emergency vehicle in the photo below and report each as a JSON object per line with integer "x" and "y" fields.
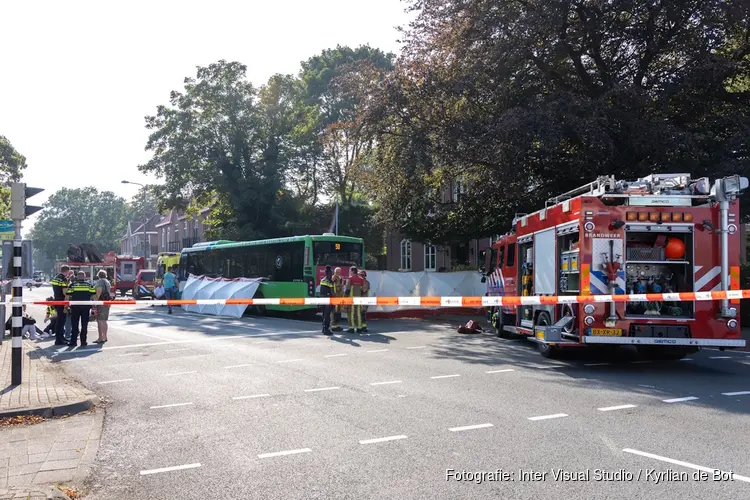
{"x": 127, "y": 267}
{"x": 664, "y": 233}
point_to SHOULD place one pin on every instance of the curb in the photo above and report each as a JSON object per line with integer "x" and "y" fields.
{"x": 55, "y": 411}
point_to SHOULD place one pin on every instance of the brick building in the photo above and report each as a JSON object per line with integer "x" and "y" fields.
{"x": 139, "y": 243}
{"x": 176, "y": 230}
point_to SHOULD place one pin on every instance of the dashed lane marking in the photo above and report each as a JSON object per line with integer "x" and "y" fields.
{"x": 382, "y": 440}
{"x": 613, "y": 408}
{"x": 597, "y": 364}
{"x": 290, "y": 360}
{"x": 385, "y": 383}
{"x": 170, "y": 406}
{"x": 731, "y": 475}
{"x": 470, "y": 427}
{"x": 547, "y": 417}
{"x": 378, "y": 350}
{"x": 253, "y": 396}
{"x": 446, "y": 376}
{"x": 283, "y": 453}
{"x": 116, "y": 381}
{"x": 720, "y": 357}
{"x": 322, "y": 389}
{"x": 237, "y": 366}
{"x": 169, "y": 469}
{"x": 179, "y": 373}
{"x": 505, "y": 370}
{"x": 679, "y": 400}
{"x": 334, "y": 355}
{"x": 739, "y": 393}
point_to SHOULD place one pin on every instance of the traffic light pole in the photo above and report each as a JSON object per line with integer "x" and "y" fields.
{"x": 17, "y": 318}
{"x": 19, "y": 211}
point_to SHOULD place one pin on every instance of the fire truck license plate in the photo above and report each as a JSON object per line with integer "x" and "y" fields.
{"x": 606, "y": 332}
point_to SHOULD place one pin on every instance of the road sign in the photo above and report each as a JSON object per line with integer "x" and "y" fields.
{"x": 7, "y": 230}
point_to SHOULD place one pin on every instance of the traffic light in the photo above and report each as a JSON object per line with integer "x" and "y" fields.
{"x": 19, "y": 210}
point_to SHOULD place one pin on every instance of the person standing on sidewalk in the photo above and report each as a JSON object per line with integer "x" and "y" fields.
{"x": 82, "y": 290}
{"x": 103, "y": 292}
{"x": 59, "y": 291}
{"x": 170, "y": 286}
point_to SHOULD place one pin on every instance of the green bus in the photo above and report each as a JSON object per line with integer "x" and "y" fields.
{"x": 289, "y": 267}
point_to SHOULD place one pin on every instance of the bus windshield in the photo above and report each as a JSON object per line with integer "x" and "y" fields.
{"x": 337, "y": 253}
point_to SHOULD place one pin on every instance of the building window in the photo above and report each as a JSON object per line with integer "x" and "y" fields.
{"x": 195, "y": 230}
{"x": 184, "y": 229}
{"x": 430, "y": 258}
{"x": 164, "y": 238}
{"x": 406, "y": 255}
{"x": 458, "y": 190}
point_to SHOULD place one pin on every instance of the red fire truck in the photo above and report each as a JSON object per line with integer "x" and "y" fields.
{"x": 659, "y": 234}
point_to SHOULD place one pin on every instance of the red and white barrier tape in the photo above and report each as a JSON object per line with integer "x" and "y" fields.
{"x": 492, "y": 301}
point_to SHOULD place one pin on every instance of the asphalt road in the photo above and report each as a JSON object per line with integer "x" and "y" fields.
{"x": 201, "y": 407}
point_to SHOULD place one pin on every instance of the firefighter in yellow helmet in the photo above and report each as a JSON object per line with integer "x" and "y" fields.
{"x": 365, "y": 293}
{"x": 338, "y": 291}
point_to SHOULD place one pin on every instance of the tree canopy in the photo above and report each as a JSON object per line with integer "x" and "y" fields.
{"x": 523, "y": 100}
{"x": 75, "y": 216}
{"x": 12, "y": 165}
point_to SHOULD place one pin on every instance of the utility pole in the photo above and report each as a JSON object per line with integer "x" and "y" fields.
{"x": 19, "y": 211}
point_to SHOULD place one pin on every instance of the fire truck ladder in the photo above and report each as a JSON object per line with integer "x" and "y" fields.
{"x": 601, "y": 185}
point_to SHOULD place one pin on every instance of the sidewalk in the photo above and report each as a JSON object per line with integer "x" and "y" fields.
{"x": 34, "y": 457}
{"x": 44, "y": 390}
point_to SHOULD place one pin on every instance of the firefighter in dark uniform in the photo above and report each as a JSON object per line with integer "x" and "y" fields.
{"x": 80, "y": 289}
{"x": 326, "y": 290}
{"x": 59, "y": 289}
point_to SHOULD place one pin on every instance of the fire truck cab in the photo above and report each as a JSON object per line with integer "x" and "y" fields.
{"x": 664, "y": 233}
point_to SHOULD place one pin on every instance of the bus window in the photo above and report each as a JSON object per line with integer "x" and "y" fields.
{"x": 337, "y": 253}
{"x": 511, "y": 255}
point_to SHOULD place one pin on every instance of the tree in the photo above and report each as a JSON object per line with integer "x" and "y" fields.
{"x": 335, "y": 84}
{"x": 75, "y": 216}
{"x": 144, "y": 205}
{"x": 12, "y": 165}
{"x": 523, "y": 100}
{"x": 223, "y": 141}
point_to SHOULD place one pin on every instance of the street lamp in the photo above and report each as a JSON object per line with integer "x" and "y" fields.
{"x": 145, "y": 245}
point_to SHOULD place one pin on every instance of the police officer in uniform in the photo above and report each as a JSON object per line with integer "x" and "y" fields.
{"x": 83, "y": 290}
{"x": 326, "y": 290}
{"x": 59, "y": 289}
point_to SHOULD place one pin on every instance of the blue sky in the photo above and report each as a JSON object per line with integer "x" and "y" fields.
{"x": 78, "y": 77}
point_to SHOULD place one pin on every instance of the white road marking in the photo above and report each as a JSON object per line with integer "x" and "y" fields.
{"x": 115, "y": 381}
{"x": 612, "y": 408}
{"x": 720, "y": 357}
{"x": 417, "y": 347}
{"x": 446, "y": 376}
{"x": 384, "y": 383}
{"x": 733, "y": 476}
{"x": 282, "y": 453}
{"x": 547, "y": 367}
{"x": 547, "y": 417}
{"x": 169, "y": 469}
{"x": 237, "y": 366}
{"x": 381, "y": 440}
{"x": 334, "y": 355}
{"x": 170, "y": 406}
{"x": 505, "y": 370}
{"x": 179, "y": 373}
{"x": 251, "y": 397}
{"x": 678, "y": 400}
{"x": 596, "y": 364}
{"x": 470, "y": 427}
{"x": 290, "y": 360}
{"x": 180, "y": 349}
{"x": 378, "y": 350}
{"x": 322, "y": 389}
{"x": 649, "y": 386}
{"x": 740, "y": 393}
